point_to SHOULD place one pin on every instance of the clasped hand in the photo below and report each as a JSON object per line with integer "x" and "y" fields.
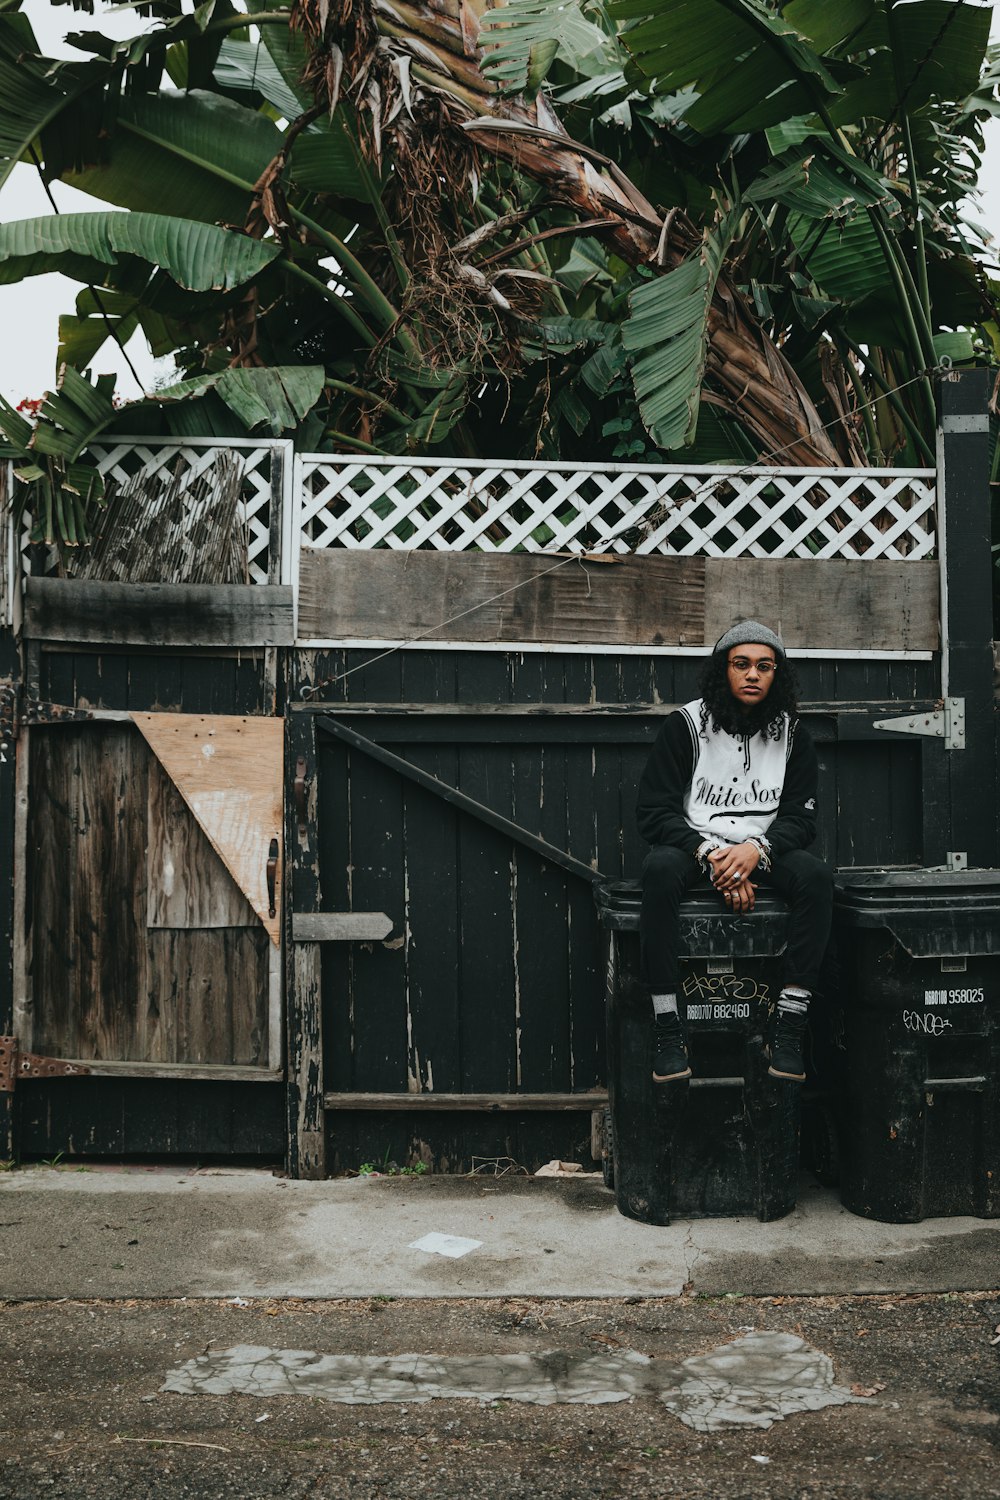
{"x": 731, "y": 871}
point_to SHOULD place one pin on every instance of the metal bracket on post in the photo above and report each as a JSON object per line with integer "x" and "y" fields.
{"x": 955, "y": 859}
{"x": 947, "y": 723}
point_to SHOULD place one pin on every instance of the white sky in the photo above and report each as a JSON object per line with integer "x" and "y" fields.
{"x": 29, "y": 311}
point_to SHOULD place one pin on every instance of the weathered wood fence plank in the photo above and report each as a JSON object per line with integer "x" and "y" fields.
{"x": 158, "y": 614}
{"x": 483, "y": 596}
{"x": 836, "y": 603}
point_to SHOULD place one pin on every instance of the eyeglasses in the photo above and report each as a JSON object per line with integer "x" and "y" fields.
{"x": 741, "y": 665}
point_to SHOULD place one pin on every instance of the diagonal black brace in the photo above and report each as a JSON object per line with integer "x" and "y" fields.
{"x": 461, "y": 800}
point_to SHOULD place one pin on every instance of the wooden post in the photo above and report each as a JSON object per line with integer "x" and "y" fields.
{"x": 306, "y": 1131}
{"x": 8, "y": 764}
{"x": 967, "y": 607}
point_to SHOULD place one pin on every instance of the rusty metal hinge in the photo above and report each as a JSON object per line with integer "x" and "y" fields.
{"x": 8, "y": 719}
{"x": 15, "y": 1064}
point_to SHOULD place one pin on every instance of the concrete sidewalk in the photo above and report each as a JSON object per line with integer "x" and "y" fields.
{"x": 135, "y": 1232}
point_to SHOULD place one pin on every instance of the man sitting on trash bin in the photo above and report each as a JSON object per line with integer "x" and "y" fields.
{"x": 729, "y": 795}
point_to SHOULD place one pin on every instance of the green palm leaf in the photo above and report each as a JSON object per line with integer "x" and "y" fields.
{"x": 915, "y": 52}
{"x": 34, "y": 91}
{"x": 524, "y": 37}
{"x": 196, "y": 155}
{"x": 250, "y": 66}
{"x": 667, "y": 336}
{"x": 819, "y": 179}
{"x": 738, "y": 52}
{"x": 276, "y": 398}
{"x": 200, "y": 257}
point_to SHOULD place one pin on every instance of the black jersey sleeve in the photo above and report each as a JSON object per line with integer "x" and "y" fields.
{"x": 660, "y": 809}
{"x": 794, "y": 826}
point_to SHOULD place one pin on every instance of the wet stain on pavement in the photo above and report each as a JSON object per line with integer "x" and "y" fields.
{"x": 752, "y": 1382}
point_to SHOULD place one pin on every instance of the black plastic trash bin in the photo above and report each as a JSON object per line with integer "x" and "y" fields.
{"x": 920, "y": 1007}
{"x": 727, "y": 1142}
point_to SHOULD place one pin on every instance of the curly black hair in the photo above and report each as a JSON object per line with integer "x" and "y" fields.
{"x": 764, "y": 718}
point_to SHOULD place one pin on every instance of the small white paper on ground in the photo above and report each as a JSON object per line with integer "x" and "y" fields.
{"x": 452, "y": 1245}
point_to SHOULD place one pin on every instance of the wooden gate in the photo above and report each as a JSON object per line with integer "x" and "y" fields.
{"x": 141, "y": 950}
{"x": 147, "y": 924}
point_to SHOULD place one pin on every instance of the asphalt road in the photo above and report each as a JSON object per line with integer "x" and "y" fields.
{"x": 85, "y": 1416}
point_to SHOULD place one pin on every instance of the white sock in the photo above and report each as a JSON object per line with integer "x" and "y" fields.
{"x": 794, "y": 1000}
{"x": 664, "y": 1003}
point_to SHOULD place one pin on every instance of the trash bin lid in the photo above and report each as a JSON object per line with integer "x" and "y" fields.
{"x": 707, "y": 928}
{"x": 931, "y": 913}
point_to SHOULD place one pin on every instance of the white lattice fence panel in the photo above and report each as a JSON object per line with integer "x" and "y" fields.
{"x": 162, "y": 458}
{"x": 863, "y": 513}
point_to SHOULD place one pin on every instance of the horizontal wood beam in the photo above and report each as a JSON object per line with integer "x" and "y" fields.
{"x": 371, "y": 709}
{"x": 215, "y": 1072}
{"x": 630, "y": 602}
{"x": 827, "y": 723}
{"x": 340, "y": 926}
{"x": 158, "y": 614}
{"x": 845, "y": 604}
{"x": 505, "y": 1103}
{"x": 501, "y": 597}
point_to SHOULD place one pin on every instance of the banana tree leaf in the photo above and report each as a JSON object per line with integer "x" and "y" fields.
{"x": 195, "y": 155}
{"x": 667, "y": 335}
{"x": 289, "y": 53}
{"x": 829, "y": 25}
{"x": 586, "y": 263}
{"x": 431, "y": 426}
{"x": 732, "y": 102}
{"x": 933, "y": 49}
{"x": 323, "y": 161}
{"x": 81, "y": 338}
{"x": 604, "y": 367}
{"x": 720, "y": 440}
{"x": 73, "y": 414}
{"x": 844, "y": 260}
{"x": 684, "y": 42}
{"x": 250, "y": 66}
{"x": 960, "y": 295}
{"x": 611, "y": 86}
{"x": 15, "y": 428}
{"x": 523, "y": 38}
{"x": 108, "y": 313}
{"x": 957, "y": 347}
{"x": 200, "y": 257}
{"x": 35, "y": 91}
{"x": 790, "y": 132}
{"x": 276, "y": 398}
{"x": 567, "y": 407}
{"x": 572, "y": 333}
{"x": 821, "y": 180}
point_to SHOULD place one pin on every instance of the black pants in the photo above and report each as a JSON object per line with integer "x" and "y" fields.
{"x": 804, "y": 881}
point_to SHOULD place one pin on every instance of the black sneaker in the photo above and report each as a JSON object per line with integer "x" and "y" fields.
{"x": 670, "y": 1053}
{"x": 785, "y": 1047}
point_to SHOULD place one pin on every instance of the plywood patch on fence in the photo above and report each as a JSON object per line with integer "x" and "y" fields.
{"x": 229, "y": 772}
{"x": 187, "y": 885}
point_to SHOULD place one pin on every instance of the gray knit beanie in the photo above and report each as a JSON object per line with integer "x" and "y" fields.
{"x": 746, "y": 631}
